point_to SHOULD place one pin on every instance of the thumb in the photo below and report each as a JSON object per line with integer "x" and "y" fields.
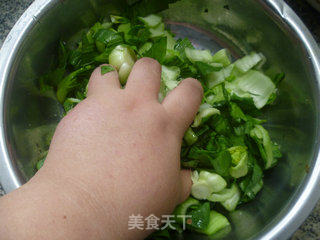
{"x": 186, "y": 184}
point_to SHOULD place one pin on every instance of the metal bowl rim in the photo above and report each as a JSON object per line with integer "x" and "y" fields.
{"x": 302, "y": 204}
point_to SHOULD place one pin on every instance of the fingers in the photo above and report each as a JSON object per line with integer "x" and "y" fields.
{"x": 186, "y": 184}
{"x": 100, "y": 83}
{"x": 144, "y": 80}
{"x": 183, "y": 103}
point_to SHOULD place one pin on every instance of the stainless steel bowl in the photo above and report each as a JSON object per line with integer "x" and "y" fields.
{"x": 27, "y": 119}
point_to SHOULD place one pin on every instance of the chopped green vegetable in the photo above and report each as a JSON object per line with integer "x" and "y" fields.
{"x": 206, "y": 183}
{"x": 252, "y": 183}
{"x": 222, "y": 163}
{"x": 151, "y": 21}
{"x": 236, "y": 113}
{"x": 223, "y": 56}
{"x": 226, "y": 146}
{"x": 195, "y": 55}
{"x": 239, "y": 157}
{"x": 171, "y": 41}
{"x": 158, "y": 31}
{"x": 216, "y": 96}
{"x": 205, "y": 112}
{"x": 145, "y": 48}
{"x": 200, "y": 217}
{"x": 109, "y": 37}
{"x": 205, "y": 68}
{"x": 181, "y": 46}
{"x": 123, "y": 59}
{"x": 106, "y": 69}
{"x": 118, "y": 19}
{"x": 216, "y": 78}
{"x": 228, "y": 197}
{"x": 265, "y": 145}
{"x": 254, "y": 86}
{"x": 69, "y": 82}
{"x": 217, "y": 222}
{"x": 158, "y": 50}
{"x": 190, "y": 137}
{"x": 246, "y": 63}
{"x": 183, "y": 207}
{"x": 125, "y": 28}
{"x": 169, "y": 79}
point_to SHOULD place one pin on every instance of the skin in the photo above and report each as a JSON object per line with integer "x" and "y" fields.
{"x": 116, "y": 154}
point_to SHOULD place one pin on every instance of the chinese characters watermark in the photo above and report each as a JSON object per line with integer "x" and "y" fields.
{"x": 152, "y": 222}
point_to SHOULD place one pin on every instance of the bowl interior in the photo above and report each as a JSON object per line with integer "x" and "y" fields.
{"x": 242, "y": 26}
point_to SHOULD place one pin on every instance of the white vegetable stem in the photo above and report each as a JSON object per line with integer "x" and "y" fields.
{"x": 206, "y": 183}
{"x": 228, "y": 197}
{"x": 205, "y": 112}
{"x": 123, "y": 59}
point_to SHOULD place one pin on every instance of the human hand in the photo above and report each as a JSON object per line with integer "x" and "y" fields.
{"x": 116, "y": 154}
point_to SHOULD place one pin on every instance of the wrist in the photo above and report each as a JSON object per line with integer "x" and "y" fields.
{"x": 75, "y": 203}
{"x": 45, "y": 208}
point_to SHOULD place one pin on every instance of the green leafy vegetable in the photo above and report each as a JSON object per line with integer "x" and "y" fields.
{"x": 226, "y": 146}
{"x": 223, "y": 56}
{"x": 158, "y": 31}
{"x": 217, "y": 222}
{"x": 216, "y": 96}
{"x": 169, "y": 79}
{"x": 195, "y": 55}
{"x": 106, "y": 69}
{"x": 205, "y": 112}
{"x": 182, "y": 209}
{"x": 252, "y": 183}
{"x": 70, "y": 82}
{"x": 190, "y": 137}
{"x": 252, "y": 86}
{"x": 158, "y": 50}
{"x": 246, "y": 63}
{"x": 265, "y": 145}
{"x": 206, "y": 183}
{"x": 215, "y": 78}
{"x": 145, "y": 48}
{"x": 118, "y": 19}
{"x": 181, "y": 46}
{"x": 236, "y": 113}
{"x": 228, "y": 197}
{"x": 109, "y": 37}
{"x": 222, "y": 163}
{"x": 205, "y": 68}
{"x": 122, "y": 58}
{"x": 239, "y": 157}
{"x": 152, "y": 20}
{"x": 200, "y": 217}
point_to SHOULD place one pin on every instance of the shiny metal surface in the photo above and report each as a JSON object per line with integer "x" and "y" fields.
{"x": 291, "y": 190}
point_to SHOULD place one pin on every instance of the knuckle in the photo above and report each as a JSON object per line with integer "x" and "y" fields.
{"x": 156, "y": 118}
